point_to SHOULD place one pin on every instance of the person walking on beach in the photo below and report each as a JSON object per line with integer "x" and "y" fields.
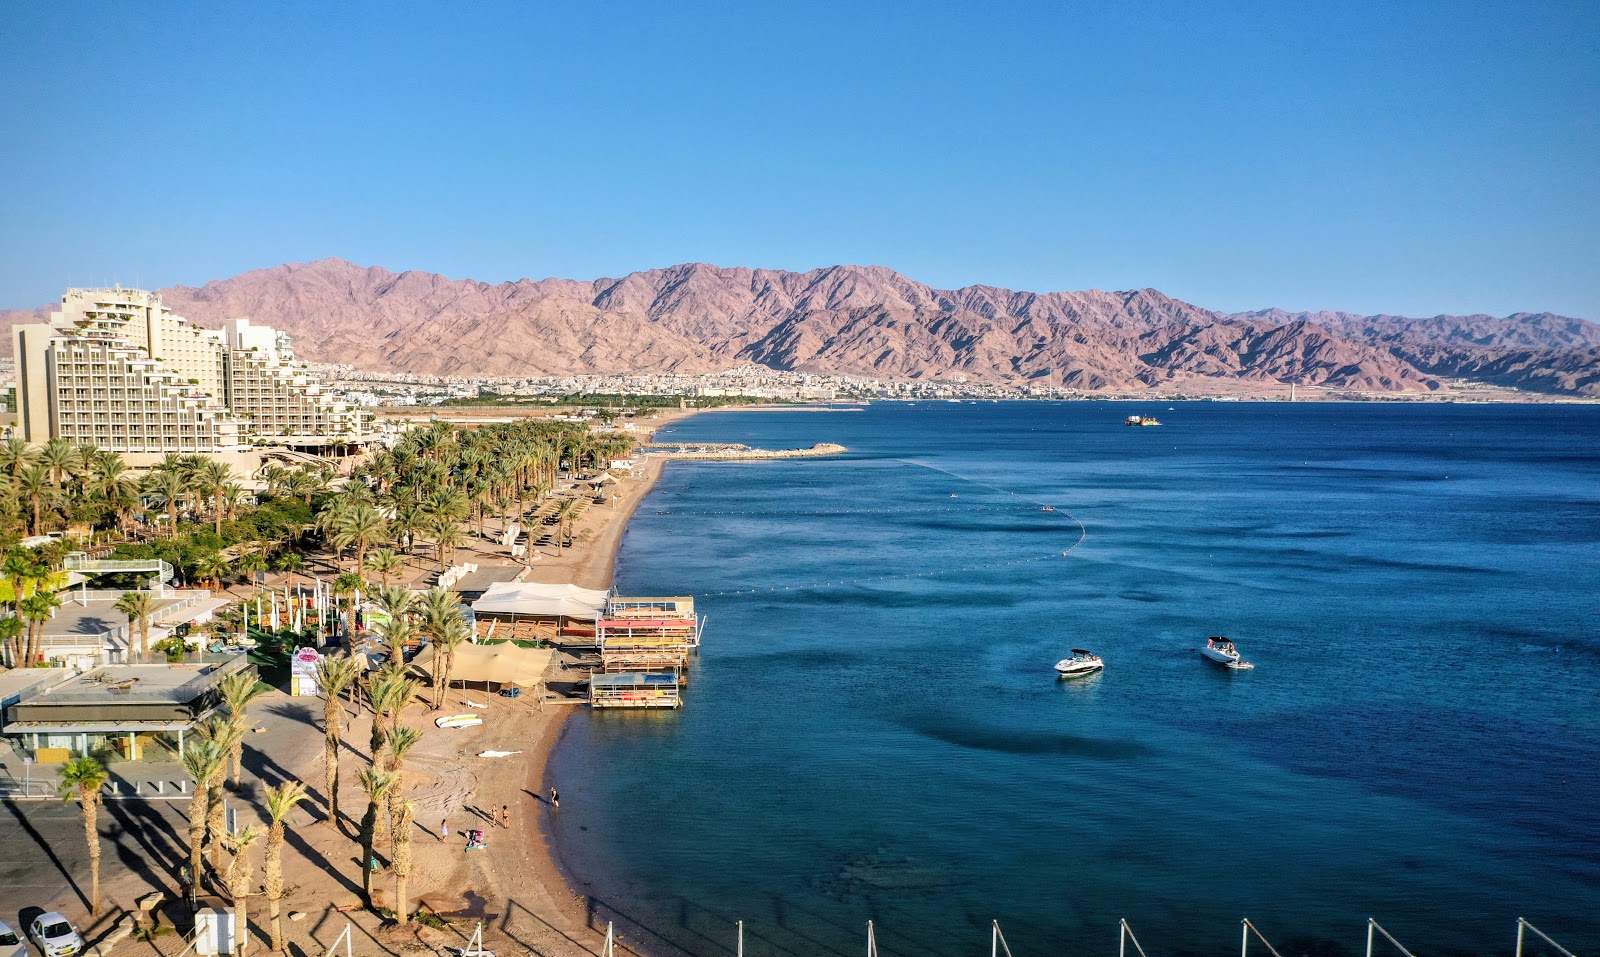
{"x": 444, "y": 830}
{"x": 555, "y": 798}
{"x": 505, "y": 815}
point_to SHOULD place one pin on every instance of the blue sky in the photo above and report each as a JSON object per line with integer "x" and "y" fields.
{"x": 1402, "y": 157}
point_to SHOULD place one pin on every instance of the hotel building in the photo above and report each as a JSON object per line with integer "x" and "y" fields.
{"x": 116, "y": 369}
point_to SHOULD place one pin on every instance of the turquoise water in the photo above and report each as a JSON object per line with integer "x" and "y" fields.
{"x": 1420, "y": 741}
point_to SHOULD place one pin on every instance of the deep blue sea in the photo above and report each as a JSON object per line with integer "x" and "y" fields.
{"x": 1418, "y": 586}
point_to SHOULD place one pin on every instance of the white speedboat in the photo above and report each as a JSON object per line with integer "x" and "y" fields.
{"x": 1081, "y": 663}
{"x": 1222, "y": 651}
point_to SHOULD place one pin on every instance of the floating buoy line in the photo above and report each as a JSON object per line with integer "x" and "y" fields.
{"x": 1033, "y": 505}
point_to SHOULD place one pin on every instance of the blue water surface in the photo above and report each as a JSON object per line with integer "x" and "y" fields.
{"x": 1418, "y": 586}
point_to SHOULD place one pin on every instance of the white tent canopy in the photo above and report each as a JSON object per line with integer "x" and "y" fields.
{"x": 534, "y": 598}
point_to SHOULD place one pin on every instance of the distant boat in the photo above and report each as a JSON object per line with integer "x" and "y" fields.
{"x": 1144, "y": 420}
{"x": 459, "y": 721}
{"x": 1047, "y": 508}
{"x": 1222, "y": 651}
{"x": 1081, "y": 663}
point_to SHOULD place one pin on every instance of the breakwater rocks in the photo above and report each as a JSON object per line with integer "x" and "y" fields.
{"x": 735, "y": 453}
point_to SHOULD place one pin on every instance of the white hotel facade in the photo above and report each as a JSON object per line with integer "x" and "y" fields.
{"x": 114, "y": 368}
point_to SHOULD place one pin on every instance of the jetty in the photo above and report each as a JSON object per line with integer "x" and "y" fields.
{"x": 733, "y": 452}
{"x": 645, "y": 647}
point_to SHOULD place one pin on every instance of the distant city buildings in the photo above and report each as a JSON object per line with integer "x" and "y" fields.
{"x": 116, "y": 369}
{"x": 749, "y": 381}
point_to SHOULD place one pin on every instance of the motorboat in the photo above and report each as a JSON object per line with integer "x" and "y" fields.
{"x": 1081, "y": 663}
{"x": 1222, "y": 651}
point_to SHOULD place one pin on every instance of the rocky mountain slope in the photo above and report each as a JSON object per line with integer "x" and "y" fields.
{"x": 871, "y": 321}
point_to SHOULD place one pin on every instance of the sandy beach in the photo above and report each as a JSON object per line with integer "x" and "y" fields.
{"x": 514, "y": 886}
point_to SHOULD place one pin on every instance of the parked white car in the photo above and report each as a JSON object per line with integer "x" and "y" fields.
{"x": 10, "y": 944}
{"x": 55, "y": 935}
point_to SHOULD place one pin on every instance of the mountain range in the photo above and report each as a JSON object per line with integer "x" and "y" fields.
{"x": 872, "y": 321}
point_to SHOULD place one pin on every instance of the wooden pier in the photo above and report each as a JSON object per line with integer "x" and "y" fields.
{"x": 635, "y": 690}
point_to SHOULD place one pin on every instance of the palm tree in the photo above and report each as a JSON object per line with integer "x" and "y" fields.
{"x": 394, "y": 601}
{"x": 203, "y": 759}
{"x": 122, "y": 497}
{"x": 360, "y": 527}
{"x": 211, "y": 568}
{"x": 16, "y": 456}
{"x": 280, "y": 801}
{"x": 170, "y": 486}
{"x": 35, "y": 487}
{"x": 83, "y": 778}
{"x": 214, "y": 477}
{"x": 138, "y": 606}
{"x": 225, "y": 734}
{"x": 334, "y": 675}
{"x": 11, "y": 637}
{"x": 402, "y": 738}
{"x": 34, "y": 611}
{"x": 85, "y": 463}
{"x": 385, "y": 562}
{"x": 390, "y": 692}
{"x": 250, "y": 563}
{"x": 237, "y": 691}
{"x": 395, "y": 633}
{"x": 276, "y": 477}
{"x": 408, "y": 522}
{"x": 404, "y": 821}
{"x": 57, "y": 457}
{"x": 446, "y": 535}
{"x": 241, "y": 875}
{"x": 24, "y": 572}
{"x": 345, "y": 588}
{"x": 377, "y": 784}
{"x": 447, "y": 640}
{"x": 292, "y": 562}
{"x": 566, "y": 515}
{"x": 306, "y": 483}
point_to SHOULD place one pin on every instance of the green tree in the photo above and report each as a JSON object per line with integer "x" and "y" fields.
{"x": 34, "y": 611}
{"x": 334, "y": 676}
{"x": 83, "y": 778}
{"x": 16, "y": 456}
{"x": 237, "y": 691}
{"x": 280, "y": 801}
{"x": 213, "y": 478}
{"x": 203, "y": 759}
{"x": 241, "y": 877}
{"x": 385, "y": 563}
{"x": 56, "y": 456}
{"x": 359, "y": 527}
{"x": 377, "y": 784}
{"x": 449, "y": 637}
{"x": 169, "y": 485}
{"x": 225, "y": 734}
{"x": 404, "y": 821}
{"x": 138, "y": 606}
{"x": 35, "y": 488}
{"x": 447, "y": 537}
